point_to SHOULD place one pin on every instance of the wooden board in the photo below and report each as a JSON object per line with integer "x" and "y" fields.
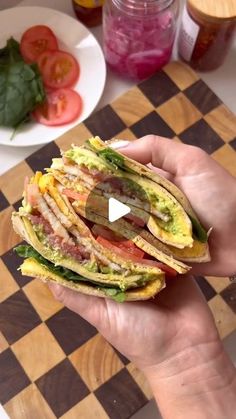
{"x": 52, "y": 362}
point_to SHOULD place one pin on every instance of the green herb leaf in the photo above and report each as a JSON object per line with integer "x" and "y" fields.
{"x": 198, "y": 231}
{"x": 21, "y": 87}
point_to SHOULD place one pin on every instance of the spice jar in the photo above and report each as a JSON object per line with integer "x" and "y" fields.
{"x": 206, "y": 33}
{"x": 139, "y": 35}
{"x": 88, "y": 11}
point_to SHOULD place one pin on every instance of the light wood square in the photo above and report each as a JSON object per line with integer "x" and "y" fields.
{"x": 6, "y": 229}
{"x": 88, "y": 408}
{"x": 96, "y": 362}
{"x": 181, "y": 74}
{"x": 227, "y": 158}
{"x": 3, "y": 343}
{"x": 29, "y": 404}
{"x": 223, "y": 121}
{"x": 218, "y": 283}
{"x": 77, "y": 135}
{"x": 38, "y": 351}
{"x": 132, "y": 106}
{"x": 179, "y": 113}
{"x": 12, "y": 182}
{"x": 126, "y": 134}
{"x": 41, "y": 298}
{"x": 140, "y": 379}
{"x": 224, "y": 317}
{"x": 7, "y": 283}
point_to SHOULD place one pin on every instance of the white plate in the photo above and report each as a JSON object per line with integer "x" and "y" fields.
{"x": 73, "y": 37}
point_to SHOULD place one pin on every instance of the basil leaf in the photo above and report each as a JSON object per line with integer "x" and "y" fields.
{"x": 198, "y": 231}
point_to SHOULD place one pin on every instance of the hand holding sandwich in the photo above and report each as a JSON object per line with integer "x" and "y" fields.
{"x": 173, "y": 338}
{"x": 210, "y": 189}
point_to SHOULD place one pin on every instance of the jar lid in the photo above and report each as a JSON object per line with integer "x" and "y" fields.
{"x": 214, "y": 9}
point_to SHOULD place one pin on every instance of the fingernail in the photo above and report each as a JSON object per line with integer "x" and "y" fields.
{"x": 119, "y": 144}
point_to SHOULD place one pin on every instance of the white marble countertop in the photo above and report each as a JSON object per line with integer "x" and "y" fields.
{"x": 222, "y": 81}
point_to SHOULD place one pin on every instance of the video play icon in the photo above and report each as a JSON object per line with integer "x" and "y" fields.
{"x": 116, "y": 210}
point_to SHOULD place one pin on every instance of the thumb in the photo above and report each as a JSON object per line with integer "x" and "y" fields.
{"x": 168, "y": 155}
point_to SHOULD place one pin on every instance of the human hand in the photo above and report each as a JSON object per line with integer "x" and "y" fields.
{"x": 210, "y": 189}
{"x": 173, "y": 338}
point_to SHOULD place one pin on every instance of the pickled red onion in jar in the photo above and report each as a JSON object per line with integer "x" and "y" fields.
{"x": 137, "y": 46}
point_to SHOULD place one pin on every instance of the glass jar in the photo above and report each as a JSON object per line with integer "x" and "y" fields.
{"x": 138, "y": 36}
{"x": 207, "y": 32}
{"x": 88, "y": 12}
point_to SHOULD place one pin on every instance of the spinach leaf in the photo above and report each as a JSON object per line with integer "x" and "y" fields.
{"x": 115, "y": 159}
{"x": 21, "y": 86}
{"x": 198, "y": 231}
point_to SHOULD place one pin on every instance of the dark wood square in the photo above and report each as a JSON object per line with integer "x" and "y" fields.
{"x": 70, "y": 330}
{"x": 159, "y": 88}
{"x": 17, "y": 317}
{"x": 125, "y": 360}
{"x": 17, "y": 204}
{"x": 205, "y": 287}
{"x": 13, "y": 261}
{"x": 62, "y": 387}
{"x": 105, "y": 123}
{"x": 233, "y": 143}
{"x": 202, "y": 97}
{"x": 120, "y": 396}
{"x": 229, "y": 295}
{"x": 202, "y": 135}
{"x": 152, "y": 124}
{"x": 3, "y": 201}
{"x": 42, "y": 158}
{"x": 13, "y": 377}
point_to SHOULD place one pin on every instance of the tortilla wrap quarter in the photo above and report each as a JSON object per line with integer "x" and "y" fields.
{"x": 31, "y": 267}
{"x": 199, "y": 251}
{"x": 23, "y": 227}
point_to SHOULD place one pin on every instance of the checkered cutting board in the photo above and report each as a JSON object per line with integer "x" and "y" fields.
{"x": 52, "y": 362}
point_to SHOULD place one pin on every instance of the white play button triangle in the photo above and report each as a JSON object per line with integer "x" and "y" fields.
{"x": 116, "y": 210}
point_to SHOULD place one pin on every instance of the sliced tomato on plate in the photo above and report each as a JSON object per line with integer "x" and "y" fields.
{"x": 59, "y": 69}
{"x": 61, "y": 107}
{"x": 36, "y": 40}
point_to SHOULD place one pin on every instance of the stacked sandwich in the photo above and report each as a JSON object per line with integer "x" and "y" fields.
{"x": 64, "y": 220}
